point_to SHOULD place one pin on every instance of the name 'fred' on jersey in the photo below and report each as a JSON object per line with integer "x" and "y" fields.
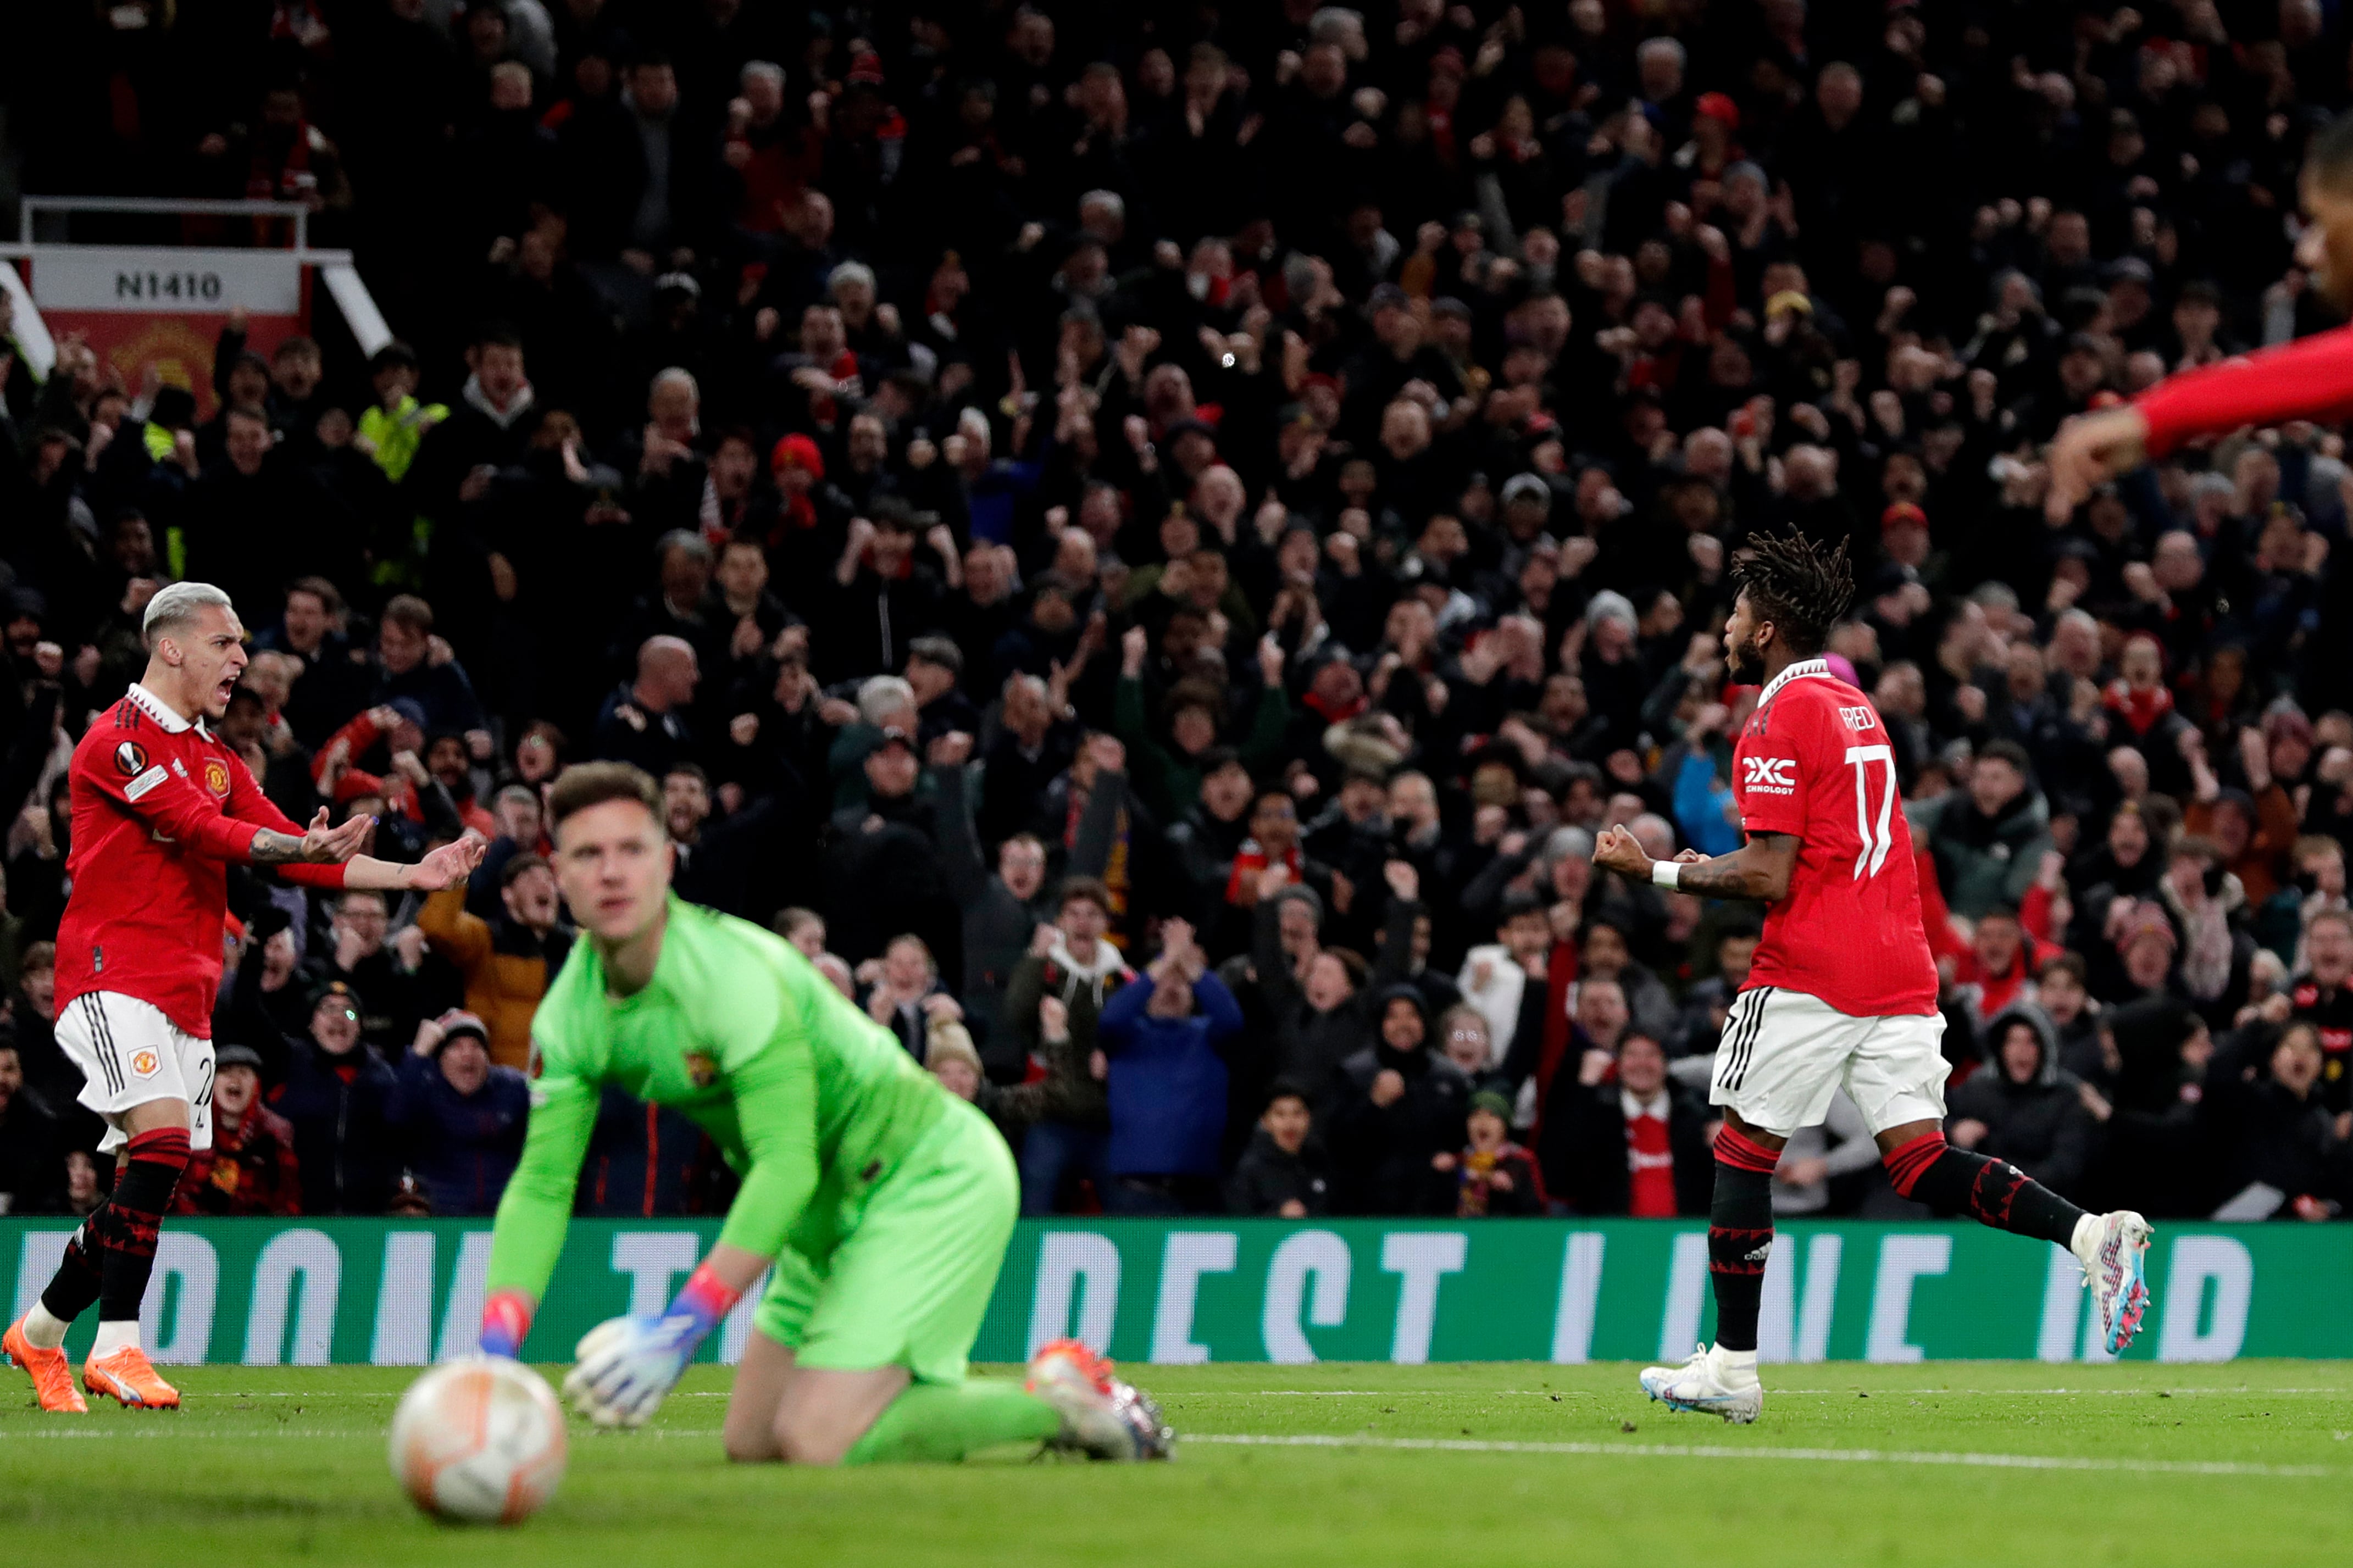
{"x": 1815, "y": 763}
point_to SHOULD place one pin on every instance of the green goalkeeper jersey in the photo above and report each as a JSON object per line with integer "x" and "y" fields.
{"x": 811, "y": 1102}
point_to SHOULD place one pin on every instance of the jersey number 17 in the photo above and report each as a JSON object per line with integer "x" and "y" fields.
{"x": 1872, "y": 825}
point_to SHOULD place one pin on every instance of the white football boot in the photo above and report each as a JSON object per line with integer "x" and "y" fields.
{"x": 2114, "y": 1248}
{"x": 1707, "y": 1384}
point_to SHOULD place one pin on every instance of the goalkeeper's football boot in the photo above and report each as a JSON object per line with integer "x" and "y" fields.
{"x": 126, "y": 1375}
{"x": 1102, "y": 1417}
{"x": 1706, "y": 1386}
{"x": 2114, "y": 1250}
{"x": 52, "y": 1372}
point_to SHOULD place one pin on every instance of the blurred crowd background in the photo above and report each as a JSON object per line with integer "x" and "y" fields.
{"x": 1147, "y": 540}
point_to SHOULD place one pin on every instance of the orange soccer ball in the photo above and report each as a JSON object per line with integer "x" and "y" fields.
{"x": 478, "y": 1442}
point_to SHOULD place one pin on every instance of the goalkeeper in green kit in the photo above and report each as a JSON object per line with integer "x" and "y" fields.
{"x": 883, "y": 1202}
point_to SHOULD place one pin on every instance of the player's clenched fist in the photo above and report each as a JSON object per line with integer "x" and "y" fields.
{"x": 2091, "y": 449}
{"x": 1616, "y": 850}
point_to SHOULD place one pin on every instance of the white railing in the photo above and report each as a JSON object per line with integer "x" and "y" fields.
{"x": 167, "y": 206}
{"x": 334, "y": 266}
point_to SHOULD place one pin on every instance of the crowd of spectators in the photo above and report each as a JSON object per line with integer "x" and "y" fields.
{"x": 1145, "y": 540}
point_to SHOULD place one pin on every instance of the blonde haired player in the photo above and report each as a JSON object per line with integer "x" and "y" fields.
{"x": 162, "y": 806}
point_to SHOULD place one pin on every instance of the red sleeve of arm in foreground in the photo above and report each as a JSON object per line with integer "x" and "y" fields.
{"x": 247, "y": 803}
{"x": 168, "y": 803}
{"x": 2309, "y": 379}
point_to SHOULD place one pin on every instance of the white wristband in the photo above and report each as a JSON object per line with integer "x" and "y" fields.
{"x": 1667, "y": 873}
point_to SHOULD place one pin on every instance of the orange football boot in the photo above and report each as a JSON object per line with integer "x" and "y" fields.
{"x": 52, "y": 1371}
{"x": 128, "y": 1376}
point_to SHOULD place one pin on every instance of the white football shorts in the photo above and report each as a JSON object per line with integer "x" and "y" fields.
{"x": 128, "y": 1054}
{"x": 1783, "y": 1054}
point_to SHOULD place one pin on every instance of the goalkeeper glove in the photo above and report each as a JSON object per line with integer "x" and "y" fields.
{"x": 627, "y": 1365}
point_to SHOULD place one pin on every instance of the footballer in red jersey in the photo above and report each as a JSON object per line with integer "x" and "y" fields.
{"x": 1842, "y": 992}
{"x": 161, "y": 807}
{"x": 1813, "y": 765}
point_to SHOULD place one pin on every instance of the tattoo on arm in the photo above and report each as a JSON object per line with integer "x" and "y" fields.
{"x": 1722, "y": 878}
{"x": 272, "y": 847}
{"x": 1743, "y": 874}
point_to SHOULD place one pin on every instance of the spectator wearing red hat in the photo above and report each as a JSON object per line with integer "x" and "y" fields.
{"x": 808, "y": 510}
{"x": 1903, "y": 536}
{"x": 1712, "y": 147}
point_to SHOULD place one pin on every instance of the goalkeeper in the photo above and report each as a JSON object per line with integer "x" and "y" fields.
{"x": 883, "y": 1202}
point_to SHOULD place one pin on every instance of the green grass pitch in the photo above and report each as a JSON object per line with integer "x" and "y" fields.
{"x": 1992, "y": 1465}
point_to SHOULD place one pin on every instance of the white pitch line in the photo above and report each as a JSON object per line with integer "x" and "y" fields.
{"x": 2173, "y": 1393}
{"x": 1207, "y": 1394}
{"x": 1724, "y": 1451}
{"x": 2071, "y": 1393}
{"x": 47, "y": 1432}
{"x": 1460, "y": 1446}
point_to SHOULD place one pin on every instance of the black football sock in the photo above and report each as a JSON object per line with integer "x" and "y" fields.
{"x": 1992, "y": 1192}
{"x": 74, "y": 1286}
{"x": 127, "y": 1234}
{"x": 1739, "y": 1237}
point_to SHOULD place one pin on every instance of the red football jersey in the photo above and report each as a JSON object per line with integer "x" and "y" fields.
{"x": 1814, "y": 762}
{"x": 160, "y": 807}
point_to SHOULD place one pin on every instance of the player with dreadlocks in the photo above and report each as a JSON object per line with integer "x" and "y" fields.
{"x": 1842, "y": 989}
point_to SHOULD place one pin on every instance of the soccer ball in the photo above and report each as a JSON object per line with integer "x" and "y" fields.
{"x": 478, "y": 1442}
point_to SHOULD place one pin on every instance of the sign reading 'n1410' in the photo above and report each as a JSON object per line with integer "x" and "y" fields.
{"x": 399, "y": 1293}
{"x": 167, "y": 281}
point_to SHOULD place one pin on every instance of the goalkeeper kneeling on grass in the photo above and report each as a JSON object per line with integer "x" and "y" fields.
{"x": 883, "y": 1202}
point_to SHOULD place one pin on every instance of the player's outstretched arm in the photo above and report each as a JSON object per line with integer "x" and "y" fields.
{"x": 322, "y": 845}
{"x": 2311, "y": 378}
{"x": 537, "y": 1208}
{"x": 446, "y": 868}
{"x": 627, "y": 1365}
{"x": 328, "y": 857}
{"x": 1758, "y": 870}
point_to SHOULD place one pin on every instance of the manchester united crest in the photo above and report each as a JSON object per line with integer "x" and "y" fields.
{"x": 216, "y": 776}
{"x": 700, "y": 1071}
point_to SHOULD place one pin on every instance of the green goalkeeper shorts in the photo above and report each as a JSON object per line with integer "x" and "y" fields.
{"x": 909, "y": 1284}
